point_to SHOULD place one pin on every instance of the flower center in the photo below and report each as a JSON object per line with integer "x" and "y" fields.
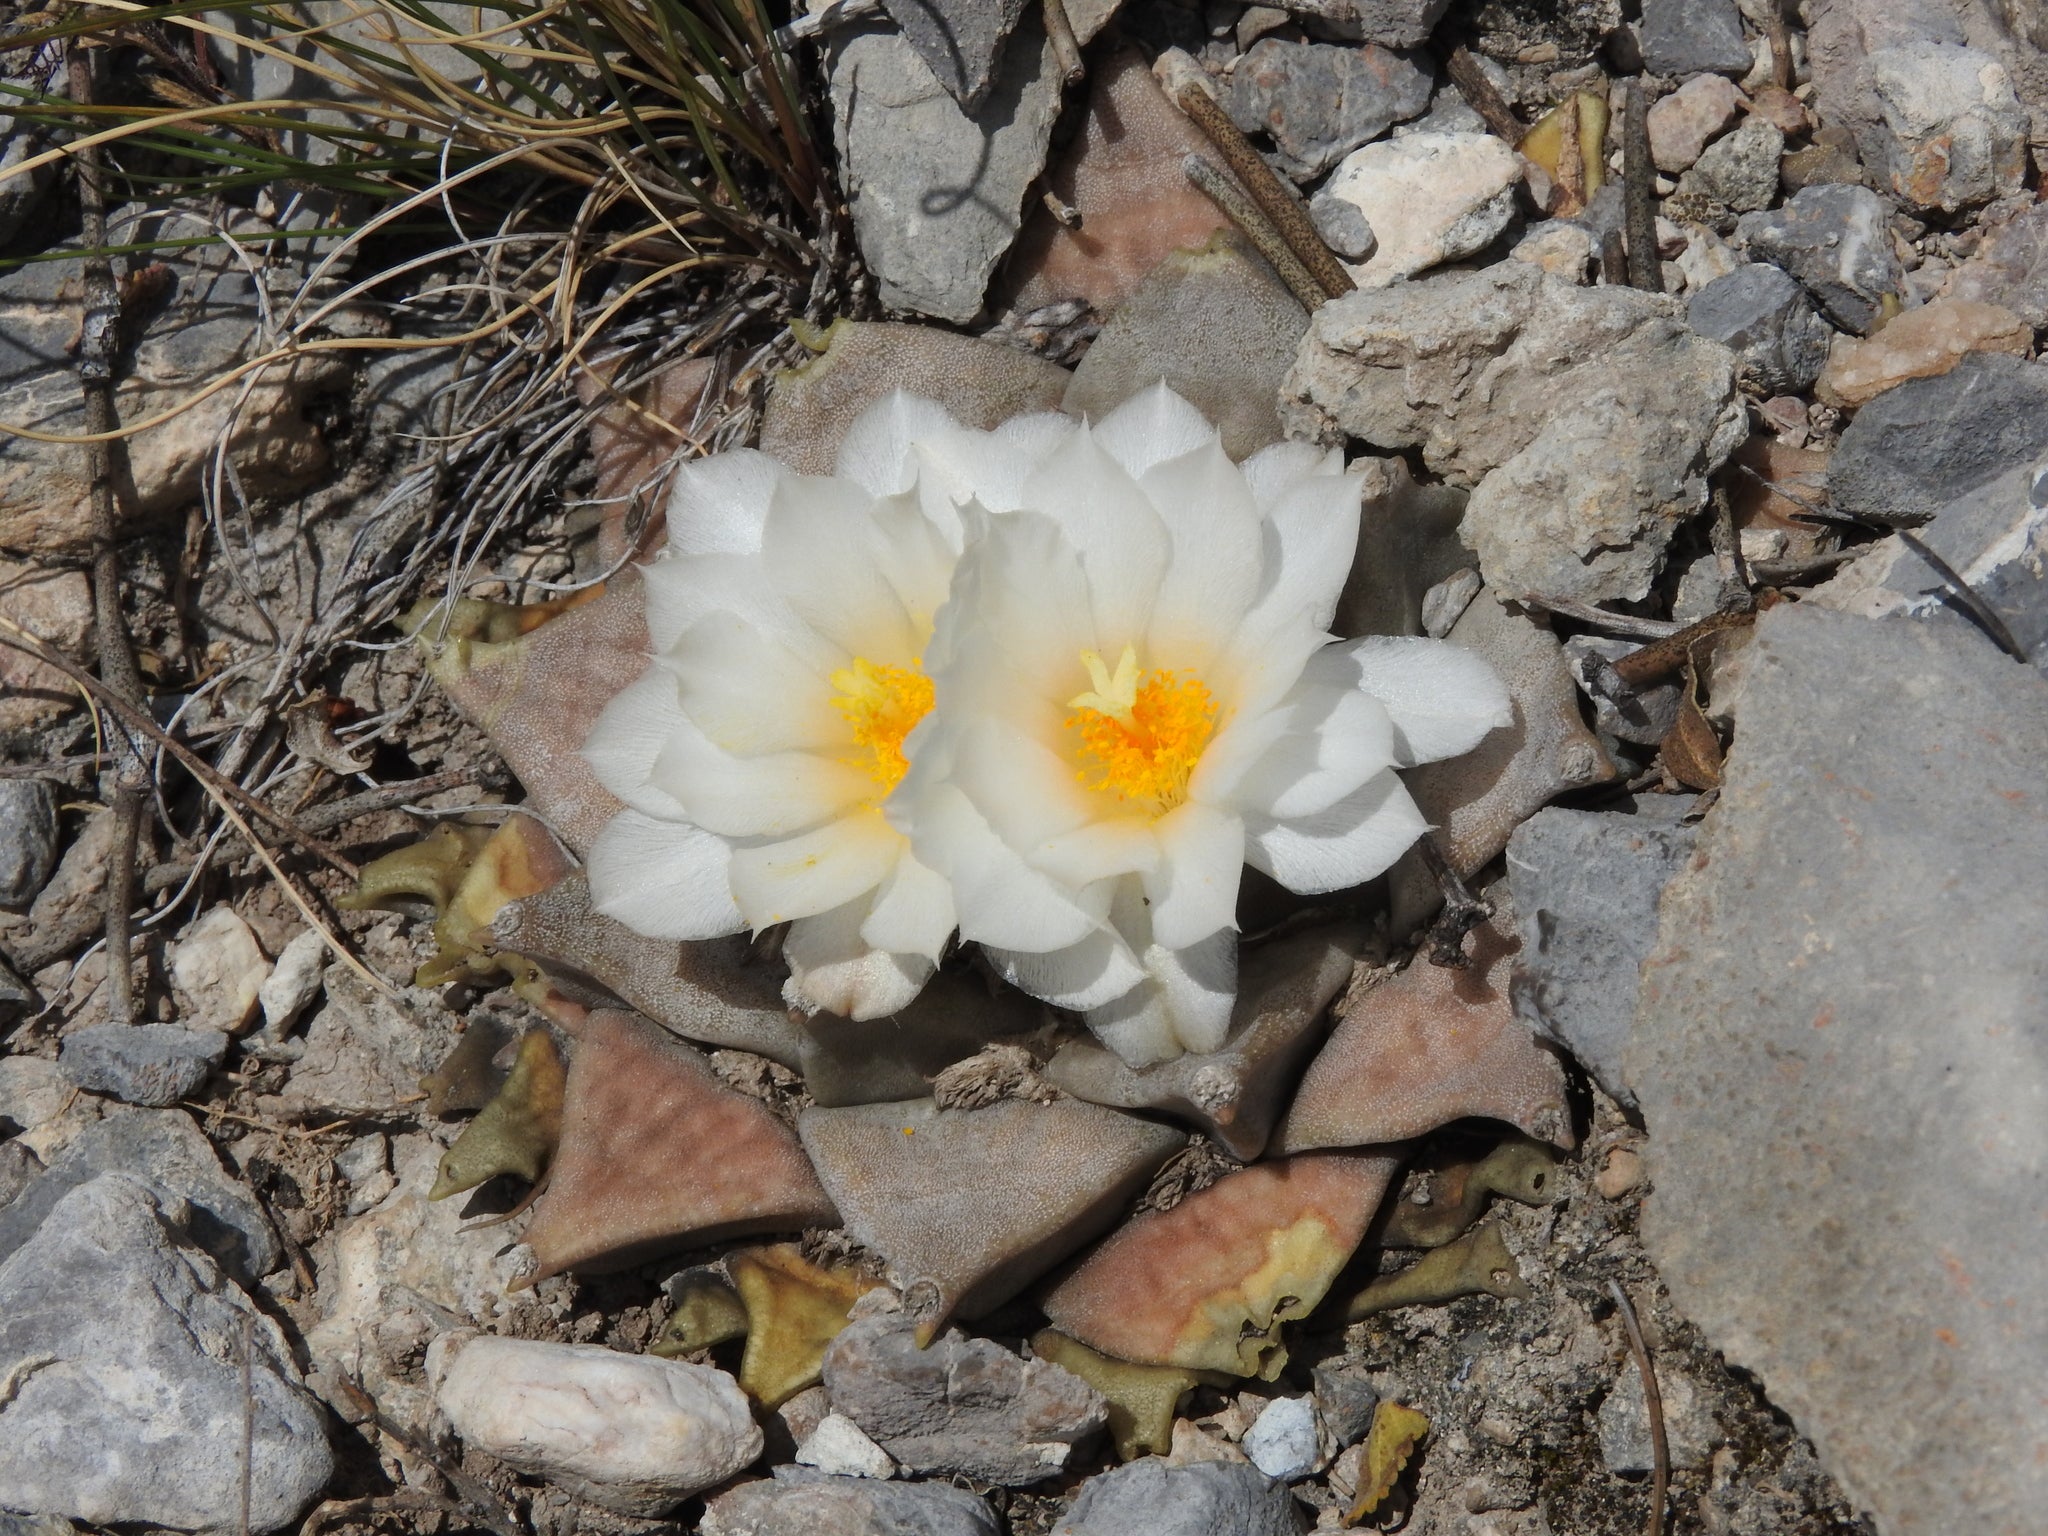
{"x": 882, "y": 704}
{"x": 1141, "y": 734}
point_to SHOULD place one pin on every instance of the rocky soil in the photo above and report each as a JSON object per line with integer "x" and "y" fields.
{"x": 1691, "y": 349}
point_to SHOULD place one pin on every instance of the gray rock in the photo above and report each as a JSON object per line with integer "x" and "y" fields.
{"x": 1690, "y": 1432}
{"x": 1587, "y": 419}
{"x": 28, "y": 839}
{"x": 1319, "y": 101}
{"x": 1738, "y": 171}
{"x": 960, "y": 1406}
{"x": 959, "y": 40}
{"x": 1694, "y": 37}
{"x": 153, "y": 1064}
{"x": 1651, "y": 711}
{"x": 1206, "y": 1498}
{"x": 937, "y": 191}
{"x": 1995, "y": 536}
{"x": 1842, "y": 1059}
{"x": 18, "y": 1168}
{"x": 1918, "y": 447}
{"x": 800, "y": 1502}
{"x": 224, "y": 1219}
{"x": 1585, "y": 887}
{"x": 128, "y": 1354}
{"x": 16, "y": 996}
{"x": 2010, "y": 268}
{"x": 1949, "y": 132}
{"x": 1835, "y": 239}
{"x": 1476, "y": 801}
{"x": 1765, "y": 316}
{"x": 1342, "y": 226}
{"x": 35, "y": 1525}
{"x": 1214, "y": 324}
{"x": 1345, "y": 1400}
{"x": 1398, "y": 23}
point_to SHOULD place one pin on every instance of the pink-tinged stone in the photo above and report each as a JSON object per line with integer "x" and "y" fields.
{"x": 983, "y": 383}
{"x": 1683, "y": 123}
{"x": 1123, "y": 175}
{"x": 537, "y": 696}
{"x": 1781, "y": 109}
{"x": 1426, "y": 1047}
{"x": 657, "y": 1153}
{"x": 1208, "y": 1284}
{"x": 975, "y": 1204}
{"x": 1918, "y": 344}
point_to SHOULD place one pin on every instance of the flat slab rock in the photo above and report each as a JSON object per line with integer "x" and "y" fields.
{"x": 1842, "y": 1058}
{"x": 1208, "y": 1498}
{"x": 960, "y": 1405}
{"x": 800, "y": 1502}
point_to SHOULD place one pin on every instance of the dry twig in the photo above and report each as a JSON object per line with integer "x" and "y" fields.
{"x": 1245, "y": 214}
{"x": 1638, "y": 200}
{"x": 1480, "y": 95}
{"x": 98, "y": 347}
{"x": 1653, "y": 1403}
{"x": 1279, "y": 202}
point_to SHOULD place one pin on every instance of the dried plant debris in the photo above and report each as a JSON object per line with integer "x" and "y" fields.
{"x": 1389, "y": 1446}
{"x": 996, "y": 1072}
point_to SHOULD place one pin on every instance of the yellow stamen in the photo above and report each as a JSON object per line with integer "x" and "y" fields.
{"x": 1141, "y": 736}
{"x": 882, "y": 704}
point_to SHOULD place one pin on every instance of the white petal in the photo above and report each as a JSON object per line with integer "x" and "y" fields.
{"x": 1217, "y": 555}
{"x": 913, "y": 911}
{"x": 1105, "y": 516}
{"x": 1018, "y": 619}
{"x": 666, "y": 879}
{"x": 1154, "y": 425}
{"x": 750, "y": 693}
{"x": 1099, "y": 850}
{"x": 876, "y": 452}
{"x": 1090, "y": 974}
{"x": 1001, "y": 900}
{"x": 991, "y": 468}
{"x": 1193, "y": 891}
{"x": 1335, "y": 739}
{"x": 1311, "y": 538}
{"x": 823, "y": 555}
{"x": 683, "y": 593}
{"x": 1184, "y": 1004}
{"x": 1274, "y": 469}
{"x": 622, "y": 747}
{"x": 1347, "y": 844}
{"x": 1443, "y": 698}
{"x": 822, "y": 869}
{"x": 718, "y": 504}
{"x": 832, "y": 970}
{"x": 773, "y": 794}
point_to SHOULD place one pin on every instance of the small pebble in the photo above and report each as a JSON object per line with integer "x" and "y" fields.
{"x": 1342, "y": 226}
{"x": 293, "y": 982}
{"x": 152, "y": 1064}
{"x": 840, "y": 1446}
{"x": 218, "y": 971}
{"x": 1282, "y": 1443}
{"x": 1622, "y": 1172}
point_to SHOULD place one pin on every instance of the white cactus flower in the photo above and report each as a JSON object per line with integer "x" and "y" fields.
{"x": 1136, "y": 693}
{"x": 788, "y": 618}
